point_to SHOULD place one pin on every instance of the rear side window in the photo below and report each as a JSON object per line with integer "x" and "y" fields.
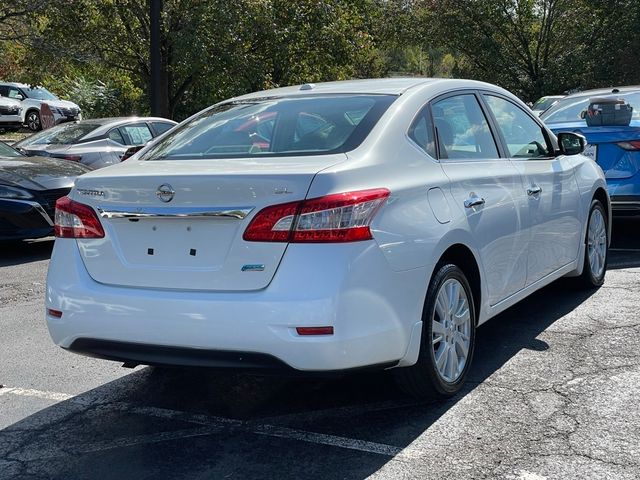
{"x": 421, "y": 132}
{"x": 116, "y": 136}
{"x": 161, "y": 127}
{"x": 138, "y": 134}
{"x": 462, "y": 129}
{"x": 524, "y": 137}
{"x": 305, "y": 125}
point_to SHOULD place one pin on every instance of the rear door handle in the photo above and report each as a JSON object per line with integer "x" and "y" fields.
{"x": 534, "y": 190}
{"x": 473, "y": 201}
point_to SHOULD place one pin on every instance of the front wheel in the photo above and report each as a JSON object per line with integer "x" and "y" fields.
{"x": 597, "y": 245}
{"x": 33, "y": 121}
{"x": 448, "y": 338}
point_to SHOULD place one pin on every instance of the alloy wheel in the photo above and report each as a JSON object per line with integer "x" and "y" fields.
{"x": 597, "y": 243}
{"x": 451, "y": 330}
{"x": 33, "y": 121}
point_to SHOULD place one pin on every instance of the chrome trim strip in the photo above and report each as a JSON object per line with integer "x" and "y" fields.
{"x": 176, "y": 212}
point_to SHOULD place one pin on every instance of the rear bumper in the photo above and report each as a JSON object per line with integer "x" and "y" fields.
{"x": 20, "y": 219}
{"x": 351, "y": 287}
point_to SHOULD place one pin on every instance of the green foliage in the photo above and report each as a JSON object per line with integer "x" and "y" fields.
{"x": 97, "y": 51}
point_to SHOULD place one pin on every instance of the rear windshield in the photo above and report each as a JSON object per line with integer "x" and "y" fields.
{"x": 569, "y": 109}
{"x": 544, "y": 103}
{"x": 65, "y": 134}
{"x": 309, "y": 125}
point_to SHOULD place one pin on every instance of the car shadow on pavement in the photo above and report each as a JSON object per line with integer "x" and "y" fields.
{"x": 25, "y": 251}
{"x": 206, "y": 424}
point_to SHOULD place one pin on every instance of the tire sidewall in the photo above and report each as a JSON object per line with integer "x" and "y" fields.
{"x": 427, "y": 358}
{"x": 596, "y": 282}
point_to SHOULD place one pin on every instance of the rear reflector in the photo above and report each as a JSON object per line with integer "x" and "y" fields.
{"x": 314, "y": 330}
{"x": 632, "y": 145}
{"x": 76, "y": 220}
{"x": 54, "y": 313}
{"x": 342, "y": 217}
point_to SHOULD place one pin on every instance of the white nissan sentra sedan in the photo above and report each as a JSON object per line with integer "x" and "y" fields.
{"x": 327, "y": 227}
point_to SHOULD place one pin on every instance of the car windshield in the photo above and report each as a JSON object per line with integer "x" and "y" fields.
{"x": 39, "y": 93}
{"x": 65, "y": 134}
{"x": 544, "y": 103}
{"x": 305, "y": 125}
{"x": 569, "y": 109}
{"x": 7, "y": 151}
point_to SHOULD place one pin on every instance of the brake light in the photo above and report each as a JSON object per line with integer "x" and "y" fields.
{"x": 632, "y": 145}
{"x": 342, "y": 217}
{"x": 71, "y": 158}
{"x": 76, "y": 220}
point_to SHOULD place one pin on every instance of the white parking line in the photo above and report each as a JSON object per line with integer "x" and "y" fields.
{"x": 209, "y": 425}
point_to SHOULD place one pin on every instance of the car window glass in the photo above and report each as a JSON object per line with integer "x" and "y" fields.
{"x": 65, "y": 134}
{"x": 162, "y": 127}
{"x": 116, "y": 136}
{"x": 524, "y": 137}
{"x": 421, "y": 132}
{"x": 14, "y": 93}
{"x": 138, "y": 134}
{"x": 462, "y": 129}
{"x": 275, "y": 126}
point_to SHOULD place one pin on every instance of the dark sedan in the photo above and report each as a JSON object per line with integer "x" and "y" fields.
{"x": 29, "y": 188}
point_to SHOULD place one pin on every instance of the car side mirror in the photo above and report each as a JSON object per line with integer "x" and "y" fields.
{"x": 571, "y": 143}
{"x": 19, "y": 97}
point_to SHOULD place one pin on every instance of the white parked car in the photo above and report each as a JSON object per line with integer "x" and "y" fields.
{"x": 10, "y": 114}
{"x": 327, "y": 227}
{"x": 33, "y": 97}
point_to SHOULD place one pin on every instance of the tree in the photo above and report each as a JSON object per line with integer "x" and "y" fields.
{"x": 529, "y": 46}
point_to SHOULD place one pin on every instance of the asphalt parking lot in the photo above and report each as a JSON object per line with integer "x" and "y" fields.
{"x": 553, "y": 394}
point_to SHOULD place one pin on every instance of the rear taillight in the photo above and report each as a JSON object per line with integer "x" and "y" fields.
{"x": 342, "y": 217}
{"x": 71, "y": 158}
{"x": 76, "y": 220}
{"x": 632, "y": 145}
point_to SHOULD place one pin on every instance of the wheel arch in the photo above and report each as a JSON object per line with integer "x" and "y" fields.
{"x": 462, "y": 256}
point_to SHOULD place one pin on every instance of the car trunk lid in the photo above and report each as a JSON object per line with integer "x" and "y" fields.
{"x": 192, "y": 241}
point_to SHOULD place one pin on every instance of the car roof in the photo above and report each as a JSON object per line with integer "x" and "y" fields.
{"x": 605, "y": 91}
{"x": 114, "y": 121}
{"x": 380, "y": 86}
{"x": 17, "y": 84}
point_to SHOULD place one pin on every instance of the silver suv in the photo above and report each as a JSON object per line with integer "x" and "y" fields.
{"x": 32, "y": 98}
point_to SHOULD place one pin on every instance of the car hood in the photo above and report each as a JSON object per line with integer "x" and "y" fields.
{"x": 38, "y": 173}
{"x": 61, "y": 103}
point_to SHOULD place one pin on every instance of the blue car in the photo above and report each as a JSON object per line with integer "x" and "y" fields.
{"x": 616, "y": 148}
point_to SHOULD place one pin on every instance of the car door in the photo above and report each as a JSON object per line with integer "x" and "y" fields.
{"x": 486, "y": 189}
{"x": 549, "y": 180}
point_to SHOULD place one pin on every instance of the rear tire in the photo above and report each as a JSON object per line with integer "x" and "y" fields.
{"x": 448, "y": 338}
{"x": 597, "y": 248}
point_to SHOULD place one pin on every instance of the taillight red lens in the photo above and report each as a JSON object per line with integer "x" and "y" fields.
{"x": 632, "y": 145}
{"x": 71, "y": 158}
{"x": 343, "y": 217}
{"x": 76, "y": 220}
